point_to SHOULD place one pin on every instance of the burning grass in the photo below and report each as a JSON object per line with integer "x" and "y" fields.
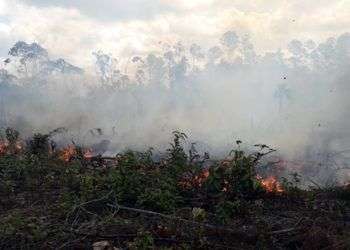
{"x": 71, "y": 152}
{"x": 70, "y": 198}
{"x": 3, "y": 147}
{"x": 271, "y": 184}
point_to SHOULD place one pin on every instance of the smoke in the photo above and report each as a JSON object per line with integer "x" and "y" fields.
{"x": 295, "y": 100}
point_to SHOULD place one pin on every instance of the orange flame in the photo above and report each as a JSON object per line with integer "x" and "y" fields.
{"x": 9, "y": 149}
{"x": 195, "y": 181}
{"x": 68, "y": 153}
{"x": 88, "y": 154}
{"x": 271, "y": 184}
{"x": 3, "y": 147}
{"x": 19, "y": 146}
{"x": 201, "y": 178}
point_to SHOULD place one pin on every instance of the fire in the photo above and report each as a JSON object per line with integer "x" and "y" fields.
{"x": 196, "y": 180}
{"x": 3, "y": 147}
{"x": 88, "y": 154}
{"x": 19, "y": 146}
{"x": 201, "y": 178}
{"x": 9, "y": 149}
{"x": 68, "y": 153}
{"x": 271, "y": 184}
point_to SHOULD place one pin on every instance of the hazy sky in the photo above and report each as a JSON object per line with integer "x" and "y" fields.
{"x": 75, "y": 28}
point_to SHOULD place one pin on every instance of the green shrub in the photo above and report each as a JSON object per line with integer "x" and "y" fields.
{"x": 226, "y": 210}
{"x": 161, "y": 194}
{"x": 144, "y": 240}
{"x": 236, "y": 176}
{"x": 18, "y": 227}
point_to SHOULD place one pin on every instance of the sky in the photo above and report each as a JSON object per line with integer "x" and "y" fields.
{"x": 73, "y": 29}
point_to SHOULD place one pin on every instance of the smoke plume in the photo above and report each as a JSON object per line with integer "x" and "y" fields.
{"x": 295, "y": 100}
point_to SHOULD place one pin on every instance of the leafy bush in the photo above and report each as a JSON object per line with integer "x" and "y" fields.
{"x": 137, "y": 200}
{"x": 236, "y": 176}
{"x": 226, "y": 210}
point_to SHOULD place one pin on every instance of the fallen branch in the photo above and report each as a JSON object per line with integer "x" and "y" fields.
{"x": 174, "y": 218}
{"x": 282, "y": 231}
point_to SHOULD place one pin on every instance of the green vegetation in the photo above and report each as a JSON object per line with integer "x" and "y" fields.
{"x": 134, "y": 202}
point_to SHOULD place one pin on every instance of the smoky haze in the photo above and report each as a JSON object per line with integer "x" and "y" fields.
{"x": 296, "y": 100}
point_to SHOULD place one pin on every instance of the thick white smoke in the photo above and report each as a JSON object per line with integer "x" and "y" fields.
{"x": 295, "y": 100}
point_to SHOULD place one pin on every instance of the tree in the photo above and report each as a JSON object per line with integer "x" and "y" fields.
{"x": 282, "y": 94}
{"x": 247, "y": 50}
{"x": 105, "y": 65}
{"x": 31, "y": 57}
{"x": 196, "y": 53}
{"x": 230, "y": 40}
{"x": 155, "y": 66}
{"x": 214, "y": 54}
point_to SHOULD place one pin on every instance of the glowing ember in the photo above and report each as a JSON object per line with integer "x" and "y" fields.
{"x": 271, "y": 184}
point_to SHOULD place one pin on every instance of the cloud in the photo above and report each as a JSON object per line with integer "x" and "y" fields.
{"x": 109, "y": 10}
{"x": 73, "y": 29}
